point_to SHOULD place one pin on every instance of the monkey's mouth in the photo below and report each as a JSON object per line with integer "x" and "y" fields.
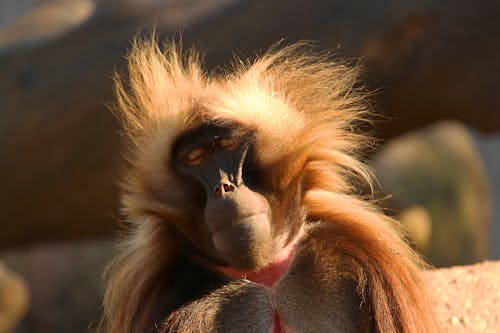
{"x": 269, "y": 275}
{"x": 246, "y": 242}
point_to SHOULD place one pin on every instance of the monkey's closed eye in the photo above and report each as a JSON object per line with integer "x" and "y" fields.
{"x": 227, "y": 143}
{"x": 194, "y": 156}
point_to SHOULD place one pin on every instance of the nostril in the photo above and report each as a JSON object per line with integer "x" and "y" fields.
{"x": 217, "y": 191}
{"x": 223, "y": 188}
{"x": 228, "y": 187}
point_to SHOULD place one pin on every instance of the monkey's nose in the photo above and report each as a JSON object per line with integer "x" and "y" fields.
{"x": 223, "y": 188}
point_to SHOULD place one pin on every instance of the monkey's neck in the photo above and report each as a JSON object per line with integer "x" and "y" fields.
{"x": 269, "y": 275}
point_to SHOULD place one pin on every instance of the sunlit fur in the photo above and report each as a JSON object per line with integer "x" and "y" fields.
{"x": 304, "y": 108}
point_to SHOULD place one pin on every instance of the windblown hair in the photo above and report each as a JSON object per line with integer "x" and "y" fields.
{"x": 305, "y": 109}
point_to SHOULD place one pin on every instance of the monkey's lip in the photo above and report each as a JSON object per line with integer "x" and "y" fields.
{"x": 244, "y": 219}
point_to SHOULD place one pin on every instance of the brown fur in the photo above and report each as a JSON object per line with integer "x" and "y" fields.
{"x": 303, "y": 108}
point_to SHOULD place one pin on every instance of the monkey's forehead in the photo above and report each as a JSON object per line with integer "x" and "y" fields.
{"x": 257, "y": 105}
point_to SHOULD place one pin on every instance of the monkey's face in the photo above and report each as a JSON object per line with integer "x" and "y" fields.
{"x": 226, "y": 160}
{"x": 241, "y": 215}
{"x": 217, "y": 168}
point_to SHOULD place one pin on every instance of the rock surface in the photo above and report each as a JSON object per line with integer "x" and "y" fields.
{"x": 467, "y": 298}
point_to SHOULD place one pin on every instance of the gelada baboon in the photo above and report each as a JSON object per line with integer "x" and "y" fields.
{"x": 242, "y": 197}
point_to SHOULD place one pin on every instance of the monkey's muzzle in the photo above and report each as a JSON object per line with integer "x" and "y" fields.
{"x": 240, "y": 226}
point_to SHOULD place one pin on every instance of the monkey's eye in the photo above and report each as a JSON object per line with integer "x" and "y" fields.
{"x": 228, "y": 143}
{"x": 194, "y": 156}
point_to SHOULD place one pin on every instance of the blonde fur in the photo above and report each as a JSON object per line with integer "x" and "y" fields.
{"x": 304, "y": 108}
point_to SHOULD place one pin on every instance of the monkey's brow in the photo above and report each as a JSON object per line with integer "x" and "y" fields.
{"x": 206, "y": 133}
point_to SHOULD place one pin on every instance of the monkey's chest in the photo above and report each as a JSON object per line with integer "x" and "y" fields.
{"x": 268, "y": 278}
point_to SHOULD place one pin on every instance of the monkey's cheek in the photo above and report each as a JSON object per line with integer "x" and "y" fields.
{"x": 245, "y": 244}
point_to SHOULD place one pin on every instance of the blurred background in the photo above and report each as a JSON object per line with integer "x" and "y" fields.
{"x": 434, "y": 68}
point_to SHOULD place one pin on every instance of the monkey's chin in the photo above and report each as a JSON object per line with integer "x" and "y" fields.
{"x": 269, "y": 275}
{"x": 246, "y": 243}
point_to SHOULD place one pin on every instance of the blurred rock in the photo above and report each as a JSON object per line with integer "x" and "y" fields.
{"x": 466, "y": 299}
{"x": 439, "y": 169}
{"x": 489, "y": 147}
{"x": 59, "y": 144}
{"x": 14, "y": 299}
{"x": 45, "y": 20}
{"x": 418, "y": 222}
{"x": 65, "y": 284}
{"x": 10, "y": 10}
